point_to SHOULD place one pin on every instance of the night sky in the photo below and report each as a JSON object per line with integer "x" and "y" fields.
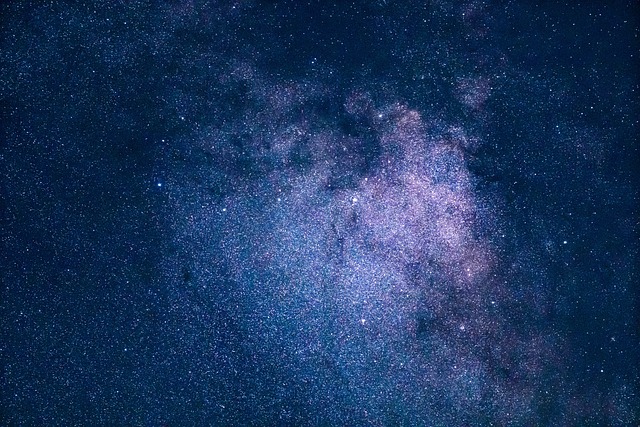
{"x": 317, "y": 213}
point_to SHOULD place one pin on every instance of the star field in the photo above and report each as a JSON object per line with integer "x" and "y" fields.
{"x": 306, "y": 213}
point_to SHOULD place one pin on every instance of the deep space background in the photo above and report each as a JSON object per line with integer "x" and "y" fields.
{"x": 372, "y": 213}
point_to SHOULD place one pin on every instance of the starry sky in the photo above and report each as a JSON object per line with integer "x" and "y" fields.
{"x": 322, "y": 213}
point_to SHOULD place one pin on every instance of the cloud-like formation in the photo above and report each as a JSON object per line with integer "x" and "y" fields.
{"x": 365, "y": 265}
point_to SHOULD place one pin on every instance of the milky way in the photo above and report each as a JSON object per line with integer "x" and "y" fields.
{"x": 314, "y": 213}
{"x": 363, "y": 267}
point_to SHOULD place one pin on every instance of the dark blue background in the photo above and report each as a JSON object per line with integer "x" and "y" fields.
{"x": 98, "y": 104}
